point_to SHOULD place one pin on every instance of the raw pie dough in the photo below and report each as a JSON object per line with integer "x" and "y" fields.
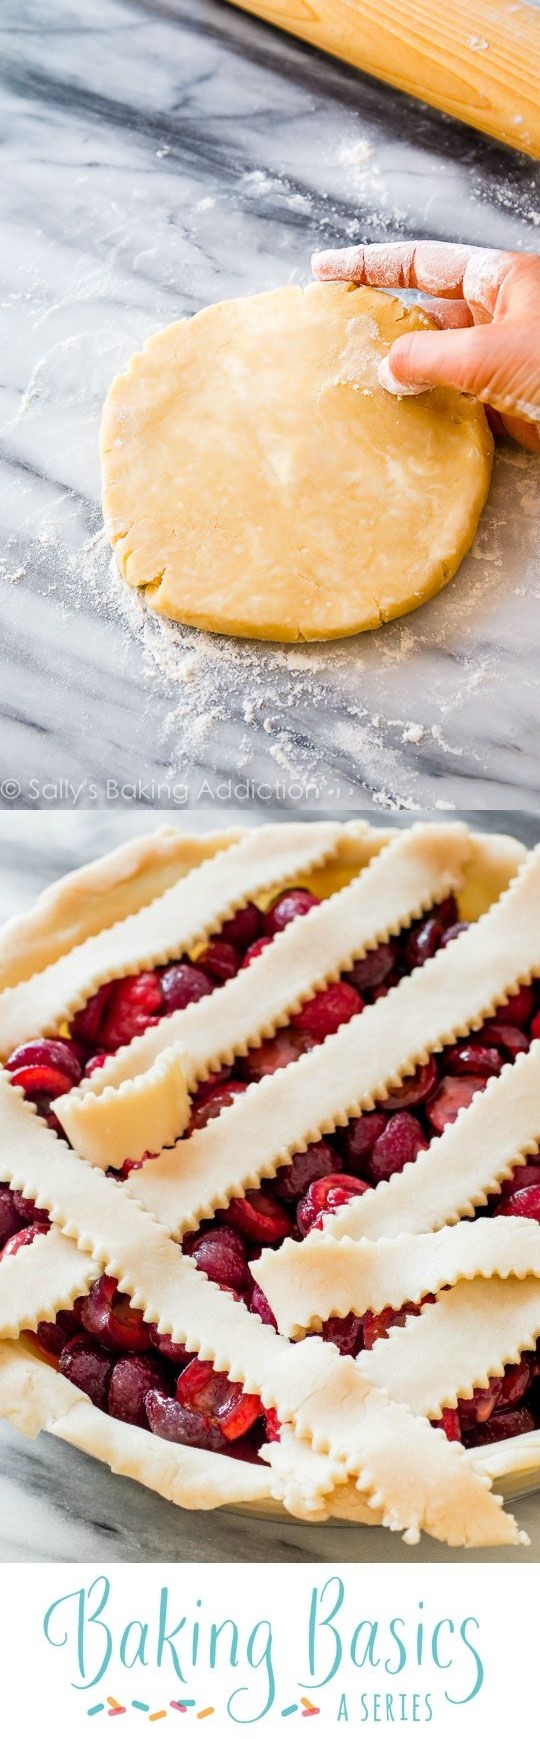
{"x": 257, "y": 479}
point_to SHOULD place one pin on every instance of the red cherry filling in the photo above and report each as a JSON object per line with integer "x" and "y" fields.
{"x": 294, "y": 903}
{"x": 221, "y": 1255}
{"x": 103, "y": 1344}
{"x": 89, "y": 1367}
{"x": 108, "y": 1316}
{"x": 221, "y": 1402}
{"x": 132, "y": 1001}
{"x": 327, "y": 1011}
{"x": 132, "y": 1381}
{"x": 258, "y": 1216}
{"x": 324, "y": 1197}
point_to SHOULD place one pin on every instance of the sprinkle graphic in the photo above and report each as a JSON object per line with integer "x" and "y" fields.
{"x": 115, "y": 1705}
{"x": 96, "y": 1710}
{"x": 188, "y": 1703}
{"x": 144, "y": 1706}
{"x": 158, "y": 1715}
{"x": 291, "y": 1709}
{"x": 309, "y": 1708}
{"x": 202, "y": 1713}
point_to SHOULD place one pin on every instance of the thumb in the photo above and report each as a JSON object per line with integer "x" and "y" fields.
{"x": 495, "y": 363}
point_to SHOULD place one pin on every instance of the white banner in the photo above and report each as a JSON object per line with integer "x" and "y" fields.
{"x": 372, "y": 1648}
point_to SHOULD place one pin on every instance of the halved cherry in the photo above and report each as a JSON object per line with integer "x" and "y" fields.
{"x": 28, "y": 1211}
{"x": 523, "y": 1176}
{"x": 506, "y": 1037}
{"x": 86, "y": 1024}
{"x": 132, "y": 1380}
{"x": 226, "y": 1404}
{"x": 470, "y": 1058}
{"x": 53, "y": 1336}
{"x": 221, "y": 1255}
{"x": 133, "y": 1000}
{"x": 243, "y": 928}
{"x": 291, "y": 1181}
{"x": 47, "y": 1057}
{"x": 450, "y": 1423}
{"x": 501, "y": 1426}
{"x": 294, "y": 903}
{"x": 259, "y": 1216}
{"x": 481, "y": 1405}
{"x": 359, "y": 1138}
{"x": 525, "y": 1203}
{"x": 371, "y": 972}
{"x": 276, "y": 1053}
{"x": 216, "y": 1101}
{"x": 516, "y": 1381}
{"x": 256, "y": 948}
{"x": 96, "y": 1062}
{"x": 272, "y": 1425}
{"x": 11, "y": 1221}
{"x": 454, "y": 1095}
{"x": 400, "y": 1143}
{"x": 259, "y": 1306}
{"x": 169, "y": 1349}
{"x": 452, "y": 933}
{"x": 376, "y": 1324}
{"x": 345, "y": 1333}
{"x": 107, "y": 1315}
{"x": 89, "y": 1367}
{"x": 210, "y": 1085}
{"x": 21, "y": 1239}
{"x": 38, "y": 1081}
{"x": 517, "y": 1011}
{"x": 326, "y": 1196}
{"x": 415, "y": 1089}
{"x": 423, "y": 941}
{"x": 177, "y": 1424}
{"x": 220, "y": 960}
{"x": 328, "y": 1010}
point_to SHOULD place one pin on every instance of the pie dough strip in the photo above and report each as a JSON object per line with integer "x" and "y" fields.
{"x": 400, "y": 883}
{"x": 131, "y": 1120}
{"x": 96, "y": 895}
{"x": 35, "y": 1397}
{"x": 354, "y": 1068}
{"x": 184, "y": 915}
{"x": 413, "y": 1476}
{"x": 41, "y": 1279}
{"x": 472, "y": 1333}
{"x": 307, "y": 1283}
{"x": 489, "y": 1139}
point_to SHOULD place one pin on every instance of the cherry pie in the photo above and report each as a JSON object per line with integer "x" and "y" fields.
{"x": 270, "y": 1173}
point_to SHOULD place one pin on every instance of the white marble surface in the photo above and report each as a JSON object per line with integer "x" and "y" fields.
{"x": 56, "y": 1504}
{"x": 158, "y": 156}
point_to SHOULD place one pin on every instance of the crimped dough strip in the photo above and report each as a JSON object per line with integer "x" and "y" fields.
{"x": 183, "y": 916}
{"x": 408, "y": 876}
{"x": 133, "y": 1119}
{"x": 305, "y": 1284}
{"x": 496, "y": 1133}
{"x": 326, "y": 1397}
{"x": 354, "y": 1068}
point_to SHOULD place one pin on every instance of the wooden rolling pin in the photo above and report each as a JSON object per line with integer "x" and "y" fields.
{"x": 476, "y": 59}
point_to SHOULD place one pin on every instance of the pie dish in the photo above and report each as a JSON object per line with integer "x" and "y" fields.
{"x": 270, "y": 1203}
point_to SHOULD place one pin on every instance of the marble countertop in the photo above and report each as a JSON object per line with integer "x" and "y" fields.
{"x": 158, "y": 157}
{"x": 57, "y": 1505}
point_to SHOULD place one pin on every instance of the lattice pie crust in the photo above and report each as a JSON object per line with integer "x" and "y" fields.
{"x": 356, "y": 1439}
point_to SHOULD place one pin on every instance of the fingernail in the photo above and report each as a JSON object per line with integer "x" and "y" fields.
{"x": 396, "y": 387}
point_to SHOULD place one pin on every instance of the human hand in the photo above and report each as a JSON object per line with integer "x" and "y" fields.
{"x": 487, "y": 304}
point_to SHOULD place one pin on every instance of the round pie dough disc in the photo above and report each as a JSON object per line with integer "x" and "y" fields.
{"x": 257, "y": 479}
